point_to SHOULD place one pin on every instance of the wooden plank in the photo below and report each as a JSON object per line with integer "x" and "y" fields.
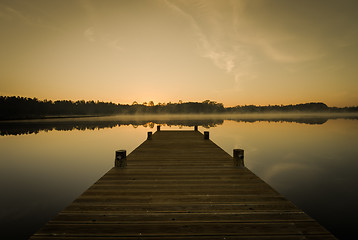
{"x": 180, "y": 229}
{"x": 182, "y": 217}
{"x": 108, "y": 208}
{"x": 179, "y": 186}
{"x": 174, "y": 199}
{"x": 221, "y": 237}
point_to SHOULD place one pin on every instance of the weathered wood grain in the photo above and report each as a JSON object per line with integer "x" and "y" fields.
{"x": 179, "y": 186}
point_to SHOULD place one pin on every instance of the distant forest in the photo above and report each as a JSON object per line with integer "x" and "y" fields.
{"x": 12, "y": 107}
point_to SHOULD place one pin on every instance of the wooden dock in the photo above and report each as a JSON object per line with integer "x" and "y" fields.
{"x": 177, "y": 185}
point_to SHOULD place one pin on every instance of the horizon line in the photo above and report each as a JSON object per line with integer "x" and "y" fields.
{"x": 170, "y": 102}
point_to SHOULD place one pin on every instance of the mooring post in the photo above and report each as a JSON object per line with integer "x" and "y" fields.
{"x": 158, "y": 127}
{"x": 238, "y": 158}
{"x": 121, "y": 158}
{"x": 206, "y": 135}
{"x": 196, "y": 128}
{"x": 149, "y": 135}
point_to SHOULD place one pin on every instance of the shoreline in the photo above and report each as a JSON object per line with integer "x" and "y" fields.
{"x": 183, "y": 116}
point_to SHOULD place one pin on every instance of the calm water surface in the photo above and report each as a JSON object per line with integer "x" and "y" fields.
{"x": 313, "y": 164}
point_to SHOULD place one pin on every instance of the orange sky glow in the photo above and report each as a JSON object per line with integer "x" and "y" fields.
{"x": 231, "y": 51}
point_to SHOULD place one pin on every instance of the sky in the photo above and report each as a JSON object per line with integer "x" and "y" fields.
{"x": 235, "y": 52}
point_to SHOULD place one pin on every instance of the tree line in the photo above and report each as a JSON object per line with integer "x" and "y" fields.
{"x": 16, "y": 107}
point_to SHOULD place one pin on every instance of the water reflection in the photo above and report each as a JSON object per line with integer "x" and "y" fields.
{"x": 206, "y": 121}
{"x": 312, "y": 164}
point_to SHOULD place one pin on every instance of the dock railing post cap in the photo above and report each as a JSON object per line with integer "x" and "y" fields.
{"x": 158, "y": 127}
{"x": 238, "y": 155}
{"x": 149, "y": 135}
{"x": 206, "y": 135}
{"x": 120, "y": 158}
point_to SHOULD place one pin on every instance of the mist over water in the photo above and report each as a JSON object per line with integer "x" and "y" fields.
{"x": 18, "y": 127}
{"x": 309, "y": 159}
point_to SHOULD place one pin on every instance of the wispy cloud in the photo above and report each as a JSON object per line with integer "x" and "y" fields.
{"x": 272, "y": 49}
{"x": 282, "y": 43}
{"x": 234, "y": 42}
{"x": 105, "y": 39}
{"x": 112, "y": 43}
{"x": 95, "y": 33}
{"x": 215, "y": 35}
{"x": 89, "y": 34}
{"x": 11, "y": 13}
{"x": 89, "y": 10}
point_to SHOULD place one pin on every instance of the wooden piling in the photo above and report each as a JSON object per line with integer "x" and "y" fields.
{"x": 179, "y": 186}
{"x": 120, "y": 158}
{"x": 238, "y": 155}
{"x": 206, "y": 135}
{"x": 149, "y": 136}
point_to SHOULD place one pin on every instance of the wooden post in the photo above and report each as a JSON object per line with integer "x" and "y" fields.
{"x": 196, "y": 128}
{"x": 158, "y": 128}
{"x": 121, "y": 158}
{"x": 206, "y": 135}
{"x": 238, "y": 158}
{"x": 149, "y": 135}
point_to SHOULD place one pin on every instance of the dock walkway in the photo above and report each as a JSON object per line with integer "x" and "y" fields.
{"x": 179, "y": 186}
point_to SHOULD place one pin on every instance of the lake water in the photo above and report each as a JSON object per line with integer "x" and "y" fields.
{"x": 46, "y": 164}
